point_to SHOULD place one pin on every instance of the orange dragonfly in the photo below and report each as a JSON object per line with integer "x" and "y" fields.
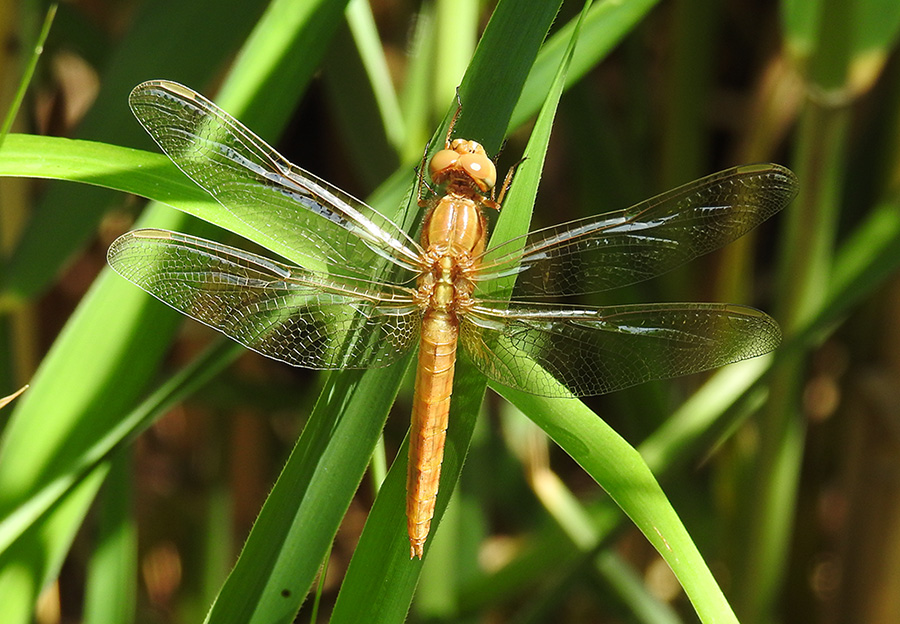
{"x": 335, "y": 313}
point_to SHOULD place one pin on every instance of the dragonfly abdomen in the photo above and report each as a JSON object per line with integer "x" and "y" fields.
{"x": 431, "y": 405}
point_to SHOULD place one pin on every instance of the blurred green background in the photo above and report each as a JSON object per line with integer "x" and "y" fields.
{"x": 133, "y": 469}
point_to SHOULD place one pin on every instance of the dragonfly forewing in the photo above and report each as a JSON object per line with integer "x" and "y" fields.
{"x": 303, "y": 318}
{"x": 632, "y": 245}
{"x": 554, "y": 350}
{"x": 324, "y": 227}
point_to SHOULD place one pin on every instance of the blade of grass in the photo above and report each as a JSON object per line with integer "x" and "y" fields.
{"x": 28, "y": 73}
{"x": 355, "y": 100}
{"x": 17, "y": 328}
{"x": 415, "y": 97}
{"x": 112, "y": 580}
{"x": 20, "y": 519}
{"x": 455, "y": 39}
{"x": 622, "y": 580}
{"x": 302, "y": 513}
{"x": 21, "y": 581}
{"x": 147, "y": 174}
{"x": 605, "y": 26}
{"x": 646, "y": 504}
{"x": 381, "y": 579}
{"x": 804, "y": 266}
{"x": 621, "y": 471}
{"x": 685, "y": 107}
{"x": 365, "y": 33}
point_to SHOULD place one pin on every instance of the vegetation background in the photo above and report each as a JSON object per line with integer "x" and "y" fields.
{"x": 132, "y": 471}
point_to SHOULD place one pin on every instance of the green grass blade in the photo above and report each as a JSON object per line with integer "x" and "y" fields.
{"x": 365, "y": 33}
{"x": 455, "y": 39}
{"x": 22, "y": 578}
{"x": 805, "y": 259}
{"x": 500, "y": 82}
{"x": 111, "y": 592}
{"x": 363, "y": 104}
{"x": 29, "y": 72}
{"x": 147, "y": 174}
{"x": 297, "y": 524}
{"x": 619, "y": 468}
{"x": 280, "y": 57}
{"x": 45, "y": 495}
{"x": 381, "y": 579}
{"x": 605, "y": 26}
{"x": 416, "y": 94}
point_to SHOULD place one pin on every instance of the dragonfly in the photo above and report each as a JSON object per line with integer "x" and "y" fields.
{"x": 367, "y": 292}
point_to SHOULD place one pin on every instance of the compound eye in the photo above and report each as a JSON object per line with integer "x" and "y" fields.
{"x": 480, "y": 168}
{"x": 442, "y": 161}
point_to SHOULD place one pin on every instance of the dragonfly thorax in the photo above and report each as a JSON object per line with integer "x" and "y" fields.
{"x": 454, "y": 227}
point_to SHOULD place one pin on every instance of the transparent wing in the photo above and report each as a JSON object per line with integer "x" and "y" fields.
{"x": 303, "y": 318}
{"x": 628, "y": 246}
{"x": 597, "y": 350}
{"x": 280, "y": 201}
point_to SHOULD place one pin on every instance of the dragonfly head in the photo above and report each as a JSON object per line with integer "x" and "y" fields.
{"x": 464, "y": 160}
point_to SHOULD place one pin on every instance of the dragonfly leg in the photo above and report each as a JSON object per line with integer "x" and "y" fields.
{"x": 453, "y": 121}
{"x": 498, "y": 201}
{"x": 420, "y": 174}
